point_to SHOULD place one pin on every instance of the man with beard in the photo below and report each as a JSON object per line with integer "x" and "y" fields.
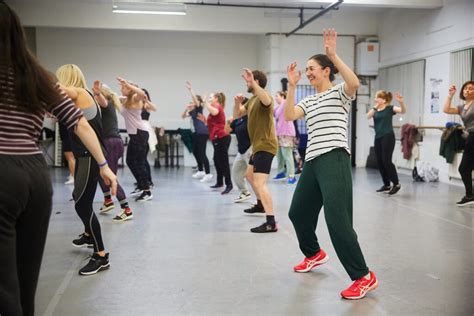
{"x": 261, "y": 128}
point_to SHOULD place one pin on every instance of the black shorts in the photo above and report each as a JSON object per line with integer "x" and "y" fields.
{"x": 65, "y": 140}
{"x": 261, "y": 162}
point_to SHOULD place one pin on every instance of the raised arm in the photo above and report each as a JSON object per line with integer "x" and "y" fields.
{"x": 402, "y": 109}
{"x": 98, "y": 96}
{"x": 149, "y": 106}
{"x": 261, "y": 94}
{"x": 350, "y": 78}
{"x": 238, "y": 110}
{"x": 212, "y": 110}
{"x": 447, "y": 105}
{"x": 291, "y": 111}
{"x": 191, "y": 91}
{"x": 138, "y": 95}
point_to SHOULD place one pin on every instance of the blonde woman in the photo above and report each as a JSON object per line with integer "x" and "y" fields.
{"x": 87, "y": 169}
{"x": 110, "y": 103}
{"x": 133, "y": 101}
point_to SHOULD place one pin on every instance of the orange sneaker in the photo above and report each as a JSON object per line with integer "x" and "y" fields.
{"x": 310, "y": 263}
{"x": 360, "y": 287}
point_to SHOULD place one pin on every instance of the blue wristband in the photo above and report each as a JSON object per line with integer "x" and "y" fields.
{"x": 103, "y": 164}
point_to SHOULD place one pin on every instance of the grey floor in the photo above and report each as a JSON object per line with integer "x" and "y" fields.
{"x": 189, "y": 251}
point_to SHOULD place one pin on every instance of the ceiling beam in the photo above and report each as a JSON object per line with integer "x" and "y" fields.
{"x": 317, "y": 15}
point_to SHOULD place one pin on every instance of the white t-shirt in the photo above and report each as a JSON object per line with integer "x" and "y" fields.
{"x": 326, "y": 119}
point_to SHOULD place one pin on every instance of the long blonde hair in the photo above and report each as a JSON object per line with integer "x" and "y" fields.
{"x": 71, "y": 75}
{"x": 111, "y": 96}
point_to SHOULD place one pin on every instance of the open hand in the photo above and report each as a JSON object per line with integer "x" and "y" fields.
{"x": 96, "y": 86}
{"x": 293, "y": 75}
{"x": 110, "y": 179}
{"x": 330, "y": 39}
{"x": 248, "y": 76}
{"x": 238, "y": 99}
{"x": 189, "y": 85}
{"x": 399, "y": 97}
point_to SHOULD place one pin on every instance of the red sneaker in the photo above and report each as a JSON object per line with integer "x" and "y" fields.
{"x": 360, "y": 287}
{"x": 309, "y": 263}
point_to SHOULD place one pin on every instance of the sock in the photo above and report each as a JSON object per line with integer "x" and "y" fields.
{"x": 124, "y": 204}
{"x": 107, "y": 197}
{"x": 259, "y": 204}
{"x": 271, "y": 220}
{"x": 367, "y": 277}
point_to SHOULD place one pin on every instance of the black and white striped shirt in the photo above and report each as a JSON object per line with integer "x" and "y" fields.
{"x": 326, "y": 119}
{"x": 19, "y": 130}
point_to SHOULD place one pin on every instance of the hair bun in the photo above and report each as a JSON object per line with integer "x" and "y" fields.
{"x": 335, "y": 70}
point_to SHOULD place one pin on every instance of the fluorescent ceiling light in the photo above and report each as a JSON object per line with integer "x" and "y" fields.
{"x": 149, "y": 8}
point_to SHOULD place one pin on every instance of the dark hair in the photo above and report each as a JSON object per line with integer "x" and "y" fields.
{"x": 260, "y": 77}
{"x": 282, "y": 94}
{"x": 147, "y": 94}
{"x": 461, "y": 96}
{"x": 325, "y": 62}
{"x": 199, "y": 98}
{"x": 34, "y": 87}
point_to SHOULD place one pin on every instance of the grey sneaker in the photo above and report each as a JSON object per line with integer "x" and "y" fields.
{"x": 243, "y": 197}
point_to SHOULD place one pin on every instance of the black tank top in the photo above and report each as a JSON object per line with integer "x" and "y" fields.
{"x": 145, "y": 115}
{"x": 92, "y": 114}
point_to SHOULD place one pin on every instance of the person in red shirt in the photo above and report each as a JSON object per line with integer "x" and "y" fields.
{"x": 220, "y": 140}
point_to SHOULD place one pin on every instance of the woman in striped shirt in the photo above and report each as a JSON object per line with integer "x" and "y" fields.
{"x": 27, "y": 93}
{"x": 326, "y": 177}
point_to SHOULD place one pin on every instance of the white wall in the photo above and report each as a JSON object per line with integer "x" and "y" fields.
{"x": 98, "y": 15}
{"x": 407, "y": 35}
{"x": 156, "y": 60}
{"x": 427, "y": 34}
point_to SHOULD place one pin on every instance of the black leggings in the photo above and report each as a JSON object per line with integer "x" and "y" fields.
{"x": 137, "y": 159}
{"x": 467, "y": 164}
{"x": 86, "y": 178}
{"x": 384, "y": 147}
{"x": 25, "y": 208}
{"x": 199, "y": 151}
{"x": 221, "y": 159}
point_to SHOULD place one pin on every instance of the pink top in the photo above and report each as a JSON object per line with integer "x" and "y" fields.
{"x": 283, "y": 127}
{"x": 133, "y": 120}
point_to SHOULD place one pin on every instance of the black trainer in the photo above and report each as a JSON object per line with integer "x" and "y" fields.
{"x": 83, "y": 241}
{"x": 254, "y": 209}
{"x": 96, "y": 264}
{"x": 395, "y": 189}
{"x": 383, "y": 188}
{"x": 228, "y": 188}
{"x": 265, "y": 228}
{"x": 466, "y": 201}
{"x": 145, "y": 196}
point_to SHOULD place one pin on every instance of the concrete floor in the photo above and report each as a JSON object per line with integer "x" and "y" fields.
{"x": 189, "y": 251}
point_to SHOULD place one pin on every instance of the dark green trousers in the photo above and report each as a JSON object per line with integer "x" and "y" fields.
{"x": 327, "y": 181}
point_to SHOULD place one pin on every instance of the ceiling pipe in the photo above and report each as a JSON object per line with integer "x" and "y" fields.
{"x": 202, "y": 3}
{"x": 334, "y": 6}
